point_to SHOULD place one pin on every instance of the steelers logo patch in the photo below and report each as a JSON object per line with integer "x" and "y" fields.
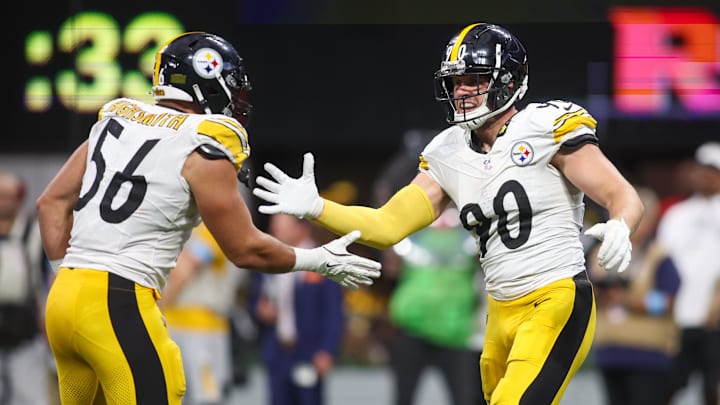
{"x": 522, "y": 153}
{"x": 207, "y": 63}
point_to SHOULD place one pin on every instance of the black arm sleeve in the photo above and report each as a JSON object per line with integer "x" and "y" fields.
{"x": 210, "y": 152}
{"x": 578, "y": 141}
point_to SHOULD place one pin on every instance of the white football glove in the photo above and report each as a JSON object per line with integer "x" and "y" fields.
{"x": 297, "y": 197}
{"x": 333, "y": 261}
{"x": 615, "y": 251}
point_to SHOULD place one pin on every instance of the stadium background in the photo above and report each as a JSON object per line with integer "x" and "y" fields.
{"x": 346, "y": 80}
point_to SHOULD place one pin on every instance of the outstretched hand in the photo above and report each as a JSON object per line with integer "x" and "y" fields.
{"x": 298, "y": 197}
{"x": 333, "y": 261}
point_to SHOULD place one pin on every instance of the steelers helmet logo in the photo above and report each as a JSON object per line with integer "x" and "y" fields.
{"x": 207, "y": 63}
{"x": 522, "y": 153}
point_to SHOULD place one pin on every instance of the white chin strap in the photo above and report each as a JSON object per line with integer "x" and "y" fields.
{"x": 479, "y": 116}
{"x": 475, "y": 118}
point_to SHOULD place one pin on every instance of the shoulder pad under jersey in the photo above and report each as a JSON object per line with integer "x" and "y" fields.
{"x": 562, "y": 119}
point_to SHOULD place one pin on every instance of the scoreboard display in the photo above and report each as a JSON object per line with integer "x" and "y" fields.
{"x": 644, "y": 73}
{"x": 93, "y": 43}
{"x": 72, "y": 57}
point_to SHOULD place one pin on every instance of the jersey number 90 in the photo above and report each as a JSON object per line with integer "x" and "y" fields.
{"x": 474, "y": 220}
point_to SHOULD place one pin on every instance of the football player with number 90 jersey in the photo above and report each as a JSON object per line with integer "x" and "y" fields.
{"x": 519, "y": 177}
{"x": 116, "y": 216}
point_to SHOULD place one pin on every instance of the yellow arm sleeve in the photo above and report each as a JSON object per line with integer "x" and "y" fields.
{"x": 408, "y": 211}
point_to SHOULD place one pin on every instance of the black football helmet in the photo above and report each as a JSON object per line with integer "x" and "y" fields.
{"x": 484, "y": 50}
{"x": 204, "y": 69}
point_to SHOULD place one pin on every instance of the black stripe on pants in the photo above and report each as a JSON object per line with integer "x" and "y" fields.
{"x": 147, "y": 371}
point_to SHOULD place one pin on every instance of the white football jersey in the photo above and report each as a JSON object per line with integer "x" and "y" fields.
{"x": 525, "y": 215}
{"x": 136, "y": 210}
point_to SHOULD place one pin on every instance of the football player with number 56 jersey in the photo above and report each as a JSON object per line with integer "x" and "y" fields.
{"x": 519, "y": 177}
{"x": 116, "y": 216}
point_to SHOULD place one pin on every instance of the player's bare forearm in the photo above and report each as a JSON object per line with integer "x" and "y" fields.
{"x": 589, "y": 170}
{"x": 224, "y": 212}
{"x": 55, "y": 223}
{"x": 55, "y": 205}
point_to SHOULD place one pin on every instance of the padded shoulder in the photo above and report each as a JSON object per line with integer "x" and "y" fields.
{"x": 229, "y": 133}
{"x": 563, "y": 120}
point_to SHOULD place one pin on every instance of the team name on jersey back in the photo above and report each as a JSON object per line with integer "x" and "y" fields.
{"x": 134, "y": 112}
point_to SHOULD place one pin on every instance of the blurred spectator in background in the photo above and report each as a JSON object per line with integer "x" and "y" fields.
{"x": 435, "y": 309}
{"x": 301, "y": 321}
{"x": 636, "y": 336}
{"x": 370, "y": 330}
{"x": 197, "y": 303}
{"x": 690, "y": 232}
{"x": 367, "y": 326}
{"x": 23, "y": 349}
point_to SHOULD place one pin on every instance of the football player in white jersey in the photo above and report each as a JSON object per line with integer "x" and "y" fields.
{"x": 518, "y": 178}
{"x": 116, "y": 216}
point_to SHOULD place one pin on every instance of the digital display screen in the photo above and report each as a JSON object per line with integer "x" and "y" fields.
{"x": 326, "y": 85}
{"x": 93, "y": 42}
{"x": 72, "y": 57}
{"x": 666, "y": 62}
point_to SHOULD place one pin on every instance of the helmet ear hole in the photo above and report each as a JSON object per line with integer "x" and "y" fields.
{"x": 504, "y": 94}
{"x": 505, "y": 91}
{"x": 210, "y": 91}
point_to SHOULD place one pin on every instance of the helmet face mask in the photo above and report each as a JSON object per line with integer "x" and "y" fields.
{"x": 203, "y": 69}
{"x": 482, "y": 50}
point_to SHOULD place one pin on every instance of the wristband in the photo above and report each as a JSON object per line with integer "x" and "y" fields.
{"x": 55, "y": 265}
{"x": 317, "y": 209}
{"x": 304, "y": 259}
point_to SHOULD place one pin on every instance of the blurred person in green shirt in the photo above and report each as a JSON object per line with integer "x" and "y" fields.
{"x": 437, "y": 309}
